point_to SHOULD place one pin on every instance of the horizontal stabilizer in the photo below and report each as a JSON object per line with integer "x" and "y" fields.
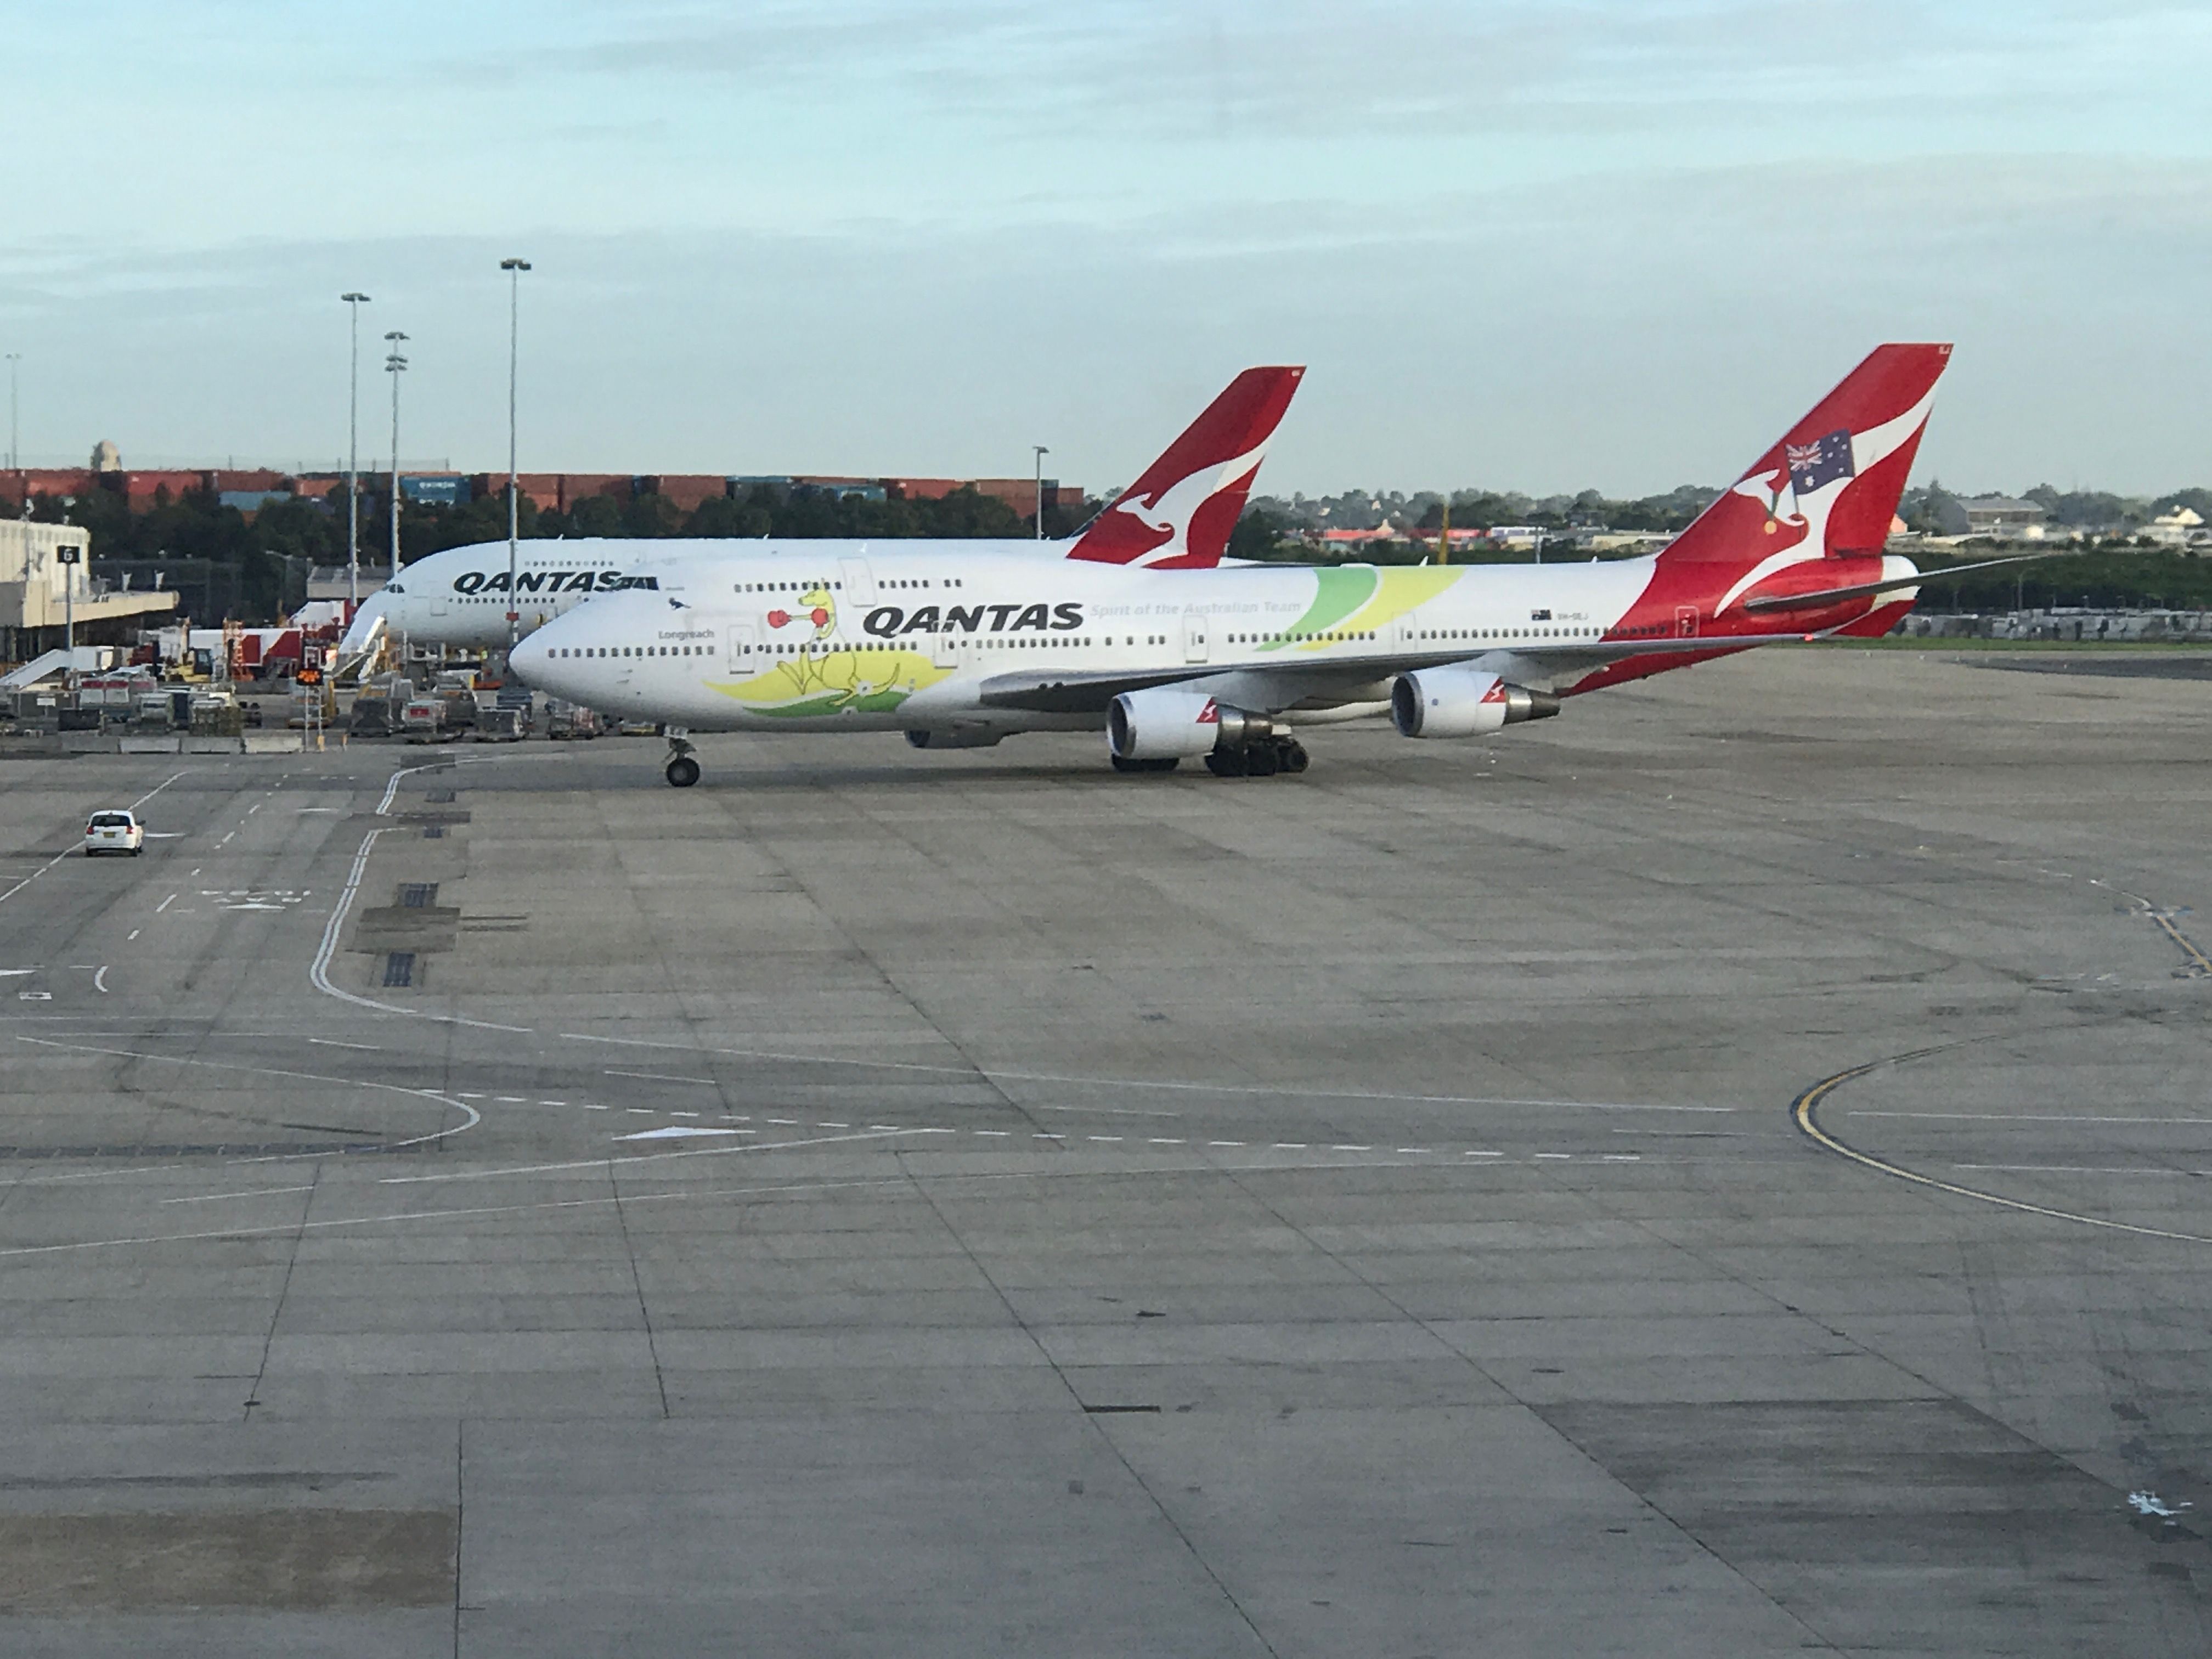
{"x": 1887, "y": 585}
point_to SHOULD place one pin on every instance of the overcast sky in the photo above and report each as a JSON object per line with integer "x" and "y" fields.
{"x": 1537, "y": 246}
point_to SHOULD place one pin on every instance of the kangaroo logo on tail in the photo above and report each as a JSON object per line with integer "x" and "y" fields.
{"x": 1179, "y": 512}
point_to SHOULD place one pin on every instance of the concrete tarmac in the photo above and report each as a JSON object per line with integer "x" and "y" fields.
{"x": 1722, "y": 1172}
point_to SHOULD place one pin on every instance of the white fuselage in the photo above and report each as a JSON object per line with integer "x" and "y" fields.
{"x": 798, "y": 636}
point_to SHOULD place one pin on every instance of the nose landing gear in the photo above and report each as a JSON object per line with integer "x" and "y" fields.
{"x": 683, "y": 770}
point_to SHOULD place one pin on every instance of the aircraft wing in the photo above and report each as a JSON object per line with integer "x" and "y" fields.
{"x": 1275, "y": 686}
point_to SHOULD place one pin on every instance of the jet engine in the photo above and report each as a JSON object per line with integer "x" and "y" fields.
{"x": 1459, "y": 702}
{"x": 1163, "y": 724}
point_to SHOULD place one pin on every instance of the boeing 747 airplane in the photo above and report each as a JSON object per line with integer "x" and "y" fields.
{"x": 961, "y": 647}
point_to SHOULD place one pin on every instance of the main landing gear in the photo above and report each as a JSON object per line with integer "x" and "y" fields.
{"x": 683, "y": 770}
{"x": 1263, "y": 758}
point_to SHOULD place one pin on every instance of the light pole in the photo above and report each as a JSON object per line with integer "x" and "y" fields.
{"x": 513, "y": 268}
{"x": 1041, "y": 451}
{"x": 15, "y": 453}
{"x": 353, "y": 303}
{"x": 395, "y": 366}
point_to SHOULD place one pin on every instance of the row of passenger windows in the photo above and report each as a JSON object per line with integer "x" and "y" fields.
{"x": 1064, "y": 640}
{"x": 1325, "y": 637}
{"x": 636, "y": 651}
{"x": 1512, "y": 634}
{"x": 902, "y": 582}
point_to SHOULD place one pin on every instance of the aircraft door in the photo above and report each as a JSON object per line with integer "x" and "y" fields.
{"x": 1197, "y": 643}
{"x": 860, "y": 582}
{"x": 944, "y": 650}
{"x": 741, "y": 647}
{"x": 1686, "y": 622}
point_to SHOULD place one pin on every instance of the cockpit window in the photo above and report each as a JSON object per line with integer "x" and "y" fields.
{"x": 393, "y": 587}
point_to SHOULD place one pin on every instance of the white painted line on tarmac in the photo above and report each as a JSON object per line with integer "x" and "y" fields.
{"x": 660, "y": 1076}
{"x": 506, "y": 1171}
{"x": 679, "y": 1132}
{"x": 2077, "y": 1168}
{"x": 333, "y": 1042}
{"x": 1107, "y": 1111}
{"x": 251, "y": 1192}
{"x": 166, "y": 902}
{"x": 33, "y": 875}
{"x": 2036, "y": 1117}
{"x": 471, "y": 1112}
{"x": 1140, "y": 1084}
{"x": 158, "y": 789}
{"x": 1554, "y": 1157}
{"x": 134, "y": 934}
{"x": 100, "y": 979}
{"x": 1340, "y": 1148}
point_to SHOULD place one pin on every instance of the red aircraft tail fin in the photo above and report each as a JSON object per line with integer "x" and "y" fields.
{"x": 1179, "y": 513}
{"x": 1830, "y": 486}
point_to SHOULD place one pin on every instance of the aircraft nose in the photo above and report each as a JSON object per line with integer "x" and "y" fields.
{"x": 526, "y": 661}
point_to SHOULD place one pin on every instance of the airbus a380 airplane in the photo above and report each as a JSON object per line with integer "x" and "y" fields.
{"x": 963, "y": 648}
{"x": 1178, "y": 514}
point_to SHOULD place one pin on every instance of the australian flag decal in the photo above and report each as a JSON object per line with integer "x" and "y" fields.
{"x": 1821, "y": 462}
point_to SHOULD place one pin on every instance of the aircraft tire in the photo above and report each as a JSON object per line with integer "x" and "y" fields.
{"x": 1226, "y": 762}
{"x": 1294, "y": 757}
{"x": 683, "y": 772}
{"x": 1163, "y": 763}
{"x": 1262, "y": 760}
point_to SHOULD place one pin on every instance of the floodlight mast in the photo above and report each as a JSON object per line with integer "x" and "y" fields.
{"x": 513, "y": 268}
{"x": 353, "y": 303}
{"x": 395, "y": 366}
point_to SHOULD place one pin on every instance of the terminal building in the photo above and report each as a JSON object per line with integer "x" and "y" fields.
{"x": 45, "y": 586}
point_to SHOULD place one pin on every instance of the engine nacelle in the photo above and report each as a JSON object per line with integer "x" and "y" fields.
{"x": 1458, "y": 701}
{"x": 960, "y": 736}
{"x": 1164, "y": 723}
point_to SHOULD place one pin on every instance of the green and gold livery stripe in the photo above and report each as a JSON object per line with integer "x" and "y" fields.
{"x": 1347, "y": 601}
{"x": 835, "y": 683}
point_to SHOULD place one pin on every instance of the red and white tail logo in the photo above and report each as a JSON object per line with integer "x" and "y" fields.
{"x": 1179, "y": 513}
{"x": 1830, "y": 485}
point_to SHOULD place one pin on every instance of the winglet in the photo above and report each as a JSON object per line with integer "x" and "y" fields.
{"x": 1179, "y": 512}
